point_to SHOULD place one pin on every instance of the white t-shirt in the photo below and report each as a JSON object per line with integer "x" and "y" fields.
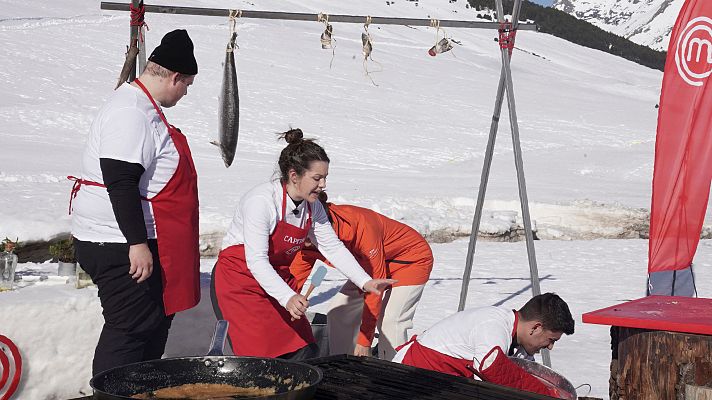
{"x": 256, "y": 218}
{"x": 127, "y": 128}
{"x": 470, "y": 335}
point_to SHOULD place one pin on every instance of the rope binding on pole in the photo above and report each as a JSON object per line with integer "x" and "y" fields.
{"x": 138, "y": 19}
{"x": 233, "y": 15}
{"x": 507, "y": 34}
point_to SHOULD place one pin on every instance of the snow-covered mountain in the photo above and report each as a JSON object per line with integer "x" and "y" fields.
{"x": 646, "y": 22}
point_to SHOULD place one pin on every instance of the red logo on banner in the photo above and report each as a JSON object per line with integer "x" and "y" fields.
{"x": 693, "y": 55}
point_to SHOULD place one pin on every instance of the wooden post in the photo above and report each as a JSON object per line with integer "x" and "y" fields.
{"x": 141, "y": 47}
{"x": 134, "y": 37}
{"x": 291, "y": 16}
{"x": 655, "y": 365}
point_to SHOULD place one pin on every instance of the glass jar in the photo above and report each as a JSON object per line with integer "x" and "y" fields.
{"x": 8, "y": 263}
{"x": 82, "y": 278}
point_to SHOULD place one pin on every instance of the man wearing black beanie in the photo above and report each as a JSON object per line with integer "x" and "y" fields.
{"x": 135, "y": 219}
{"x": 176, "y": 53}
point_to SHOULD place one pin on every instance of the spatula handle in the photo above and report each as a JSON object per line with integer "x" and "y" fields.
{"x": 218, "y": 342}
{"x": 309, "y": 291}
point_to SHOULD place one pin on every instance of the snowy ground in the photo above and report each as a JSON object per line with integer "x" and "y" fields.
{"x": 411, "y": 147}
{"x": 57, "y": 326}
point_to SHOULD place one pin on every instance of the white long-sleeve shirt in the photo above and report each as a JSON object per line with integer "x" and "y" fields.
{"x": 470, "y": 335}
{"x": 256, "y": 218}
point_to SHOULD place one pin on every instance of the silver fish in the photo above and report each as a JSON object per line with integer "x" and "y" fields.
{"x": 229, "y": 110}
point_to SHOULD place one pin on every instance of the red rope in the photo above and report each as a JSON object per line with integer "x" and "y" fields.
{"x": 137, "y": 14}
{"x": 506, "y": 36}
{"x": 137, "y": 18}
{"x": 78, "y": 182}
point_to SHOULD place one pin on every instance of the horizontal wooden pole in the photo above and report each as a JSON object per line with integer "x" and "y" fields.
{"x": 354, "y": 19}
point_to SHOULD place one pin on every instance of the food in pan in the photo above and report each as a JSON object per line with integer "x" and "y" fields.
{"x": 205, "y": 391}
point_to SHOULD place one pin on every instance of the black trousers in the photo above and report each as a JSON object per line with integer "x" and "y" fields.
{"x": 135, "y": 325}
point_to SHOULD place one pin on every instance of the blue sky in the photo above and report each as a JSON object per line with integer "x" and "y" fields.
{"x": 543, "y": 2}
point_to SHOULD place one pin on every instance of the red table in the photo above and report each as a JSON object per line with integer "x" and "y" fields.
{"x": 662, "y": 347}
{"x": 668, "y": 313}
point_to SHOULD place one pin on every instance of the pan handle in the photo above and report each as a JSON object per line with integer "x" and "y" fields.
{"x": 218, "y": 342}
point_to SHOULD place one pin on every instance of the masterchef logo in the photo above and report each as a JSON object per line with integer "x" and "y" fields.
{"x": 693, "y": 55}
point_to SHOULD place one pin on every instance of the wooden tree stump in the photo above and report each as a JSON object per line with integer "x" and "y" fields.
{"x": 655, "y": 365}
{"x": 693, "y": 392}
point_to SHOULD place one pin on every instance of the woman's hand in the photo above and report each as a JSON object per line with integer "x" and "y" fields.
{"x": 297, "y": 306}
{"x": 376, "y": 286}
{"x": 362, "y": 350}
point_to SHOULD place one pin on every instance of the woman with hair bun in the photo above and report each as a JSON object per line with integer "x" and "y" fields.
{"x": 252, "y": 286}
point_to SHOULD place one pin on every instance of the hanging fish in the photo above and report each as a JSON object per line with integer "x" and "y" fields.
{"x": 441, "y": 47}
{"x": 367, "y": 47}
{"x": 129, "y": 63}
{"x": 229, "y": 112}
{"x": 326, "y": 37}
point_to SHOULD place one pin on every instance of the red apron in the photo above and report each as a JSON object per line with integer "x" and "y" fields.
{"x": 259, "y": 325}
{"x": 175, "y": 212}
{"x": 427, "y": 358}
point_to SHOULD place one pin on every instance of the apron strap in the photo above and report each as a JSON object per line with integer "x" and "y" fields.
{"x": 78, "y": 182}
{"x": 284, "y": 205}
{"x": 284, "y": 201}
{"x": 309, "y": 214}
{"x": 158, "y": 110}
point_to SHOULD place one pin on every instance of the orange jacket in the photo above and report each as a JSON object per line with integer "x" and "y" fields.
{"x": 385, "y": 248}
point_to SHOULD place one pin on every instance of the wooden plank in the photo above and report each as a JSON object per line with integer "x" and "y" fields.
{"x": 357, "y": 19}
{"x": 666, "y": 313}
{"x": 133, "y": 38}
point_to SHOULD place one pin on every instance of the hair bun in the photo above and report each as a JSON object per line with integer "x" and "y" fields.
{"x": 293, "y": 135}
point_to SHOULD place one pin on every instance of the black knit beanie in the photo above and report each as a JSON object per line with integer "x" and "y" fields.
{"x": 176, "y": 53}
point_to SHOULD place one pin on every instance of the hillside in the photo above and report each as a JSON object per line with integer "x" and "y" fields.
{"x": 646, "y": 22}
{"x": 568, "y": 27}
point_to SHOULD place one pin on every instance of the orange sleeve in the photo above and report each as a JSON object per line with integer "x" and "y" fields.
{"x": 302, "y": 265}
{"x": 370, "y": 253}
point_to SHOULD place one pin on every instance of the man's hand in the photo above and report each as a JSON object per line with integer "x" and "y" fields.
{"x": 376, "y": 286}
{"x": 297, "y": 306}
{"x": 141, "y": 261}
{"x": 362, "y": 350}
